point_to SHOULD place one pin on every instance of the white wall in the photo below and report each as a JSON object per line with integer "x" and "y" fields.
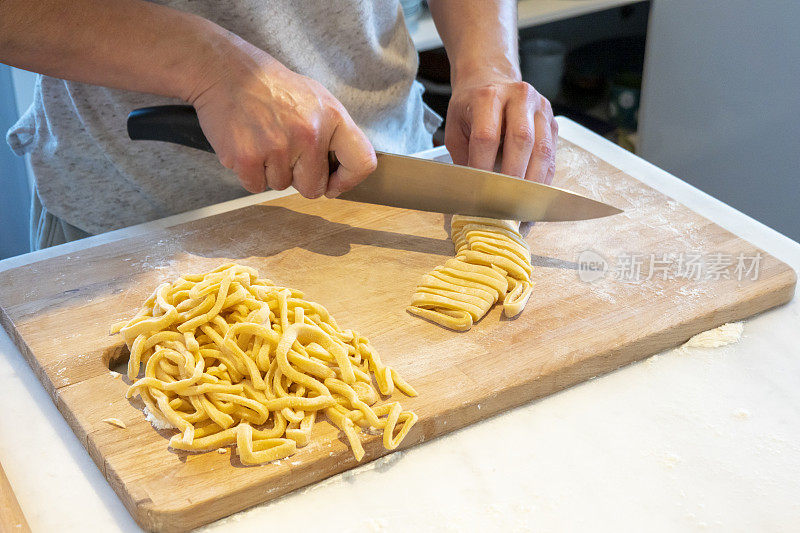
{"x": 721, "y": 102}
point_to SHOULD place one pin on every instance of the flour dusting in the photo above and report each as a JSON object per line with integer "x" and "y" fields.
{"x": 741, "y": 413}
{"x": 724, "y": 335}
{"x": 156, "y": 421}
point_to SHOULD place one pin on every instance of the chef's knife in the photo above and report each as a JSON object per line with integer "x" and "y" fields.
{"x": 407, "y": 182}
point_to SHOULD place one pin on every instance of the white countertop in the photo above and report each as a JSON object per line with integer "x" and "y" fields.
{"x": 704, "y": 440}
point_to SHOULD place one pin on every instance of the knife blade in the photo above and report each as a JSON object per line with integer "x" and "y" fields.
{"x": 407, "y": 182}
{"x": 426, "y": 185}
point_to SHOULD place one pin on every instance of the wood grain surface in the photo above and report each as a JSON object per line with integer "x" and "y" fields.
{"x": 362, "y": 262}
{"x": 11, "y": 517}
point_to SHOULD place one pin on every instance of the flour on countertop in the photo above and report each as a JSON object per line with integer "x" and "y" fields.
{"x": 377, "y": 524}
{"x": 741, "y": 413}
{"x": 670, "y": 460}
{"x": 724, "y": 335}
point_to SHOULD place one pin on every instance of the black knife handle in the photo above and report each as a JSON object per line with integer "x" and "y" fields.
{"x": 168, "y": 123}
{"x": 178, "y": 124}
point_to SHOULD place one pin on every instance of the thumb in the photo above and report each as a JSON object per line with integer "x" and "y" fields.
{"x": 356, "y": 157}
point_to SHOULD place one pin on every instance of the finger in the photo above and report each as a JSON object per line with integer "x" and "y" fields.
{"x": 518, "y": 138}
{"x": 485, "y": 128}
{"x": 551, "y": 173}
{"x": 250, "y": 170}
{"x": 543, "y": 153}
{"x": 456, "y": 135}
{"x": 310, "y": 171}
{"x": 547, "y": 111}
{"x": 310, "y": 174}
{"x": 278, "y": 171}
{"x": 356, "y": 158}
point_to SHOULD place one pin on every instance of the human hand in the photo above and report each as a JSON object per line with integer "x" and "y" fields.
{"x": 274, "y": 127}
{"x": 487, "y": 108}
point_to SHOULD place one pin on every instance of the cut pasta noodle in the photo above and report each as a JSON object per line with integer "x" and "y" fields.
{"x": 231, "y": 358}
{"x": 492, "y": 264}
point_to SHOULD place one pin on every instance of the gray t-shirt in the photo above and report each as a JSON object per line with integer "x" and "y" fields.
{"x": 90, "y": 174}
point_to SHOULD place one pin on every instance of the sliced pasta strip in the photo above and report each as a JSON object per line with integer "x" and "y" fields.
{"x": 233, "y": 359}
{"x": 492, "y": 265}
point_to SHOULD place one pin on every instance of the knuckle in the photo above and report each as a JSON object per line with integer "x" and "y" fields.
{"x": 335, "y": 109}
{"x": 486, "y": 92}
{"x": 523, "y": 134}
{"x": 485, "y": 136}
{"x": 368, "y": 165}
{"x": 544, "y": 105}
{"x": 524, "y": 90}
{"x": 278, "y": 146}
{"x": 247, "y": 160}
{"x": 308, "y": 133}
{"x": 227, "y": 158}
{"x": 544, "y": 149}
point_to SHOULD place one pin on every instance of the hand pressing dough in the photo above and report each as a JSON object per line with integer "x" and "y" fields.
{"x": 492, "y": 264}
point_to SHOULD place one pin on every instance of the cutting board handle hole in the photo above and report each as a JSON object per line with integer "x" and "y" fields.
{"x": 116, "y": 358}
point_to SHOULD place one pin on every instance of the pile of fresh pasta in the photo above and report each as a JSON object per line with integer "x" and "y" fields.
{"x": 492, "y": 264}
{"x": 231, "y": 358}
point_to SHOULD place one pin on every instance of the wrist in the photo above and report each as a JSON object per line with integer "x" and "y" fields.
{"x": 482, "y": 71}
{"x": 218, "y": 57}
{"x": 195, "y": 49}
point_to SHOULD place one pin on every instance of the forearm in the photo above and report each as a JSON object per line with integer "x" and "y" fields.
{"x": 124, "y": 44}
{"x": 490, "y": 102}
{"x": 478, "y": 36}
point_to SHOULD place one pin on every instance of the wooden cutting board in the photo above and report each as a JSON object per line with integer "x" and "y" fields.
{"x": 11, "y": 517}
{"x": 362, "y": 262}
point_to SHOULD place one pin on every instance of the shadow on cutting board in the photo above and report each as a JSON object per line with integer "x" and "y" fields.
{"x": 283, "y": 229}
